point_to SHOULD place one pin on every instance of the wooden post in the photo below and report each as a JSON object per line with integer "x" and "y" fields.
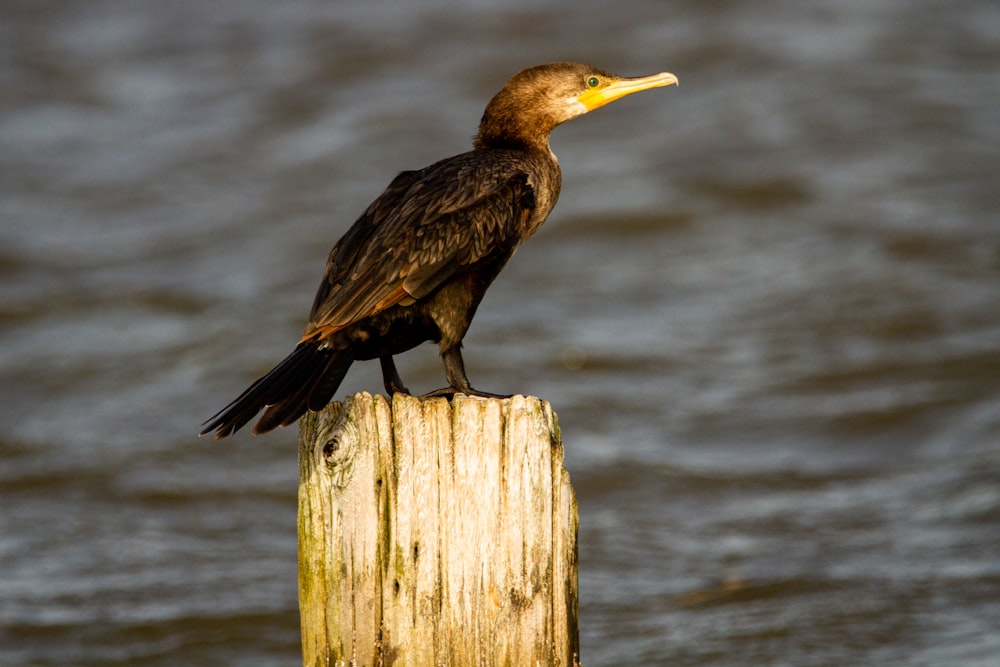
{"x": 436, "y": 533}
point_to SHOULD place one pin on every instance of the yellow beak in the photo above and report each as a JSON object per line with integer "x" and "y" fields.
{"x": 593, "y": 98}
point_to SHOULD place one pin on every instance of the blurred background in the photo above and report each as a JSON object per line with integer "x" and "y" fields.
{"x": 766, "y": 310}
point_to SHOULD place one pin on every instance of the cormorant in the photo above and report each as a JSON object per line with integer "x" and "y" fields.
{"x": 416, "y": 264}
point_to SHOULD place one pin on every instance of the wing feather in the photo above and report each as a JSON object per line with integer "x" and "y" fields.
{"x": 427, "y": 226}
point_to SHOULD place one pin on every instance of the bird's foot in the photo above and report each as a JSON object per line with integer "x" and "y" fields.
{"x": 393, "y": 389}
{"x": 450, "y": 392}
{"x": 390, "y": 377}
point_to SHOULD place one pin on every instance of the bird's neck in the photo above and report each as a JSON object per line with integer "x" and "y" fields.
{"x": 510, "y": 122}
{"x": 510, "y": 136}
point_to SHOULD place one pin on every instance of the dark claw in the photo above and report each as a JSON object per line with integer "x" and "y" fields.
{"x": 449, "y": 393}
{"x": 390, "y": 377}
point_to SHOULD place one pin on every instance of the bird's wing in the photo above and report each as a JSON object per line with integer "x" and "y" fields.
{"x": 427, "y": 226}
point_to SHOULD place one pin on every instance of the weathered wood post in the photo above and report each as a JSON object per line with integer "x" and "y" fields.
{"x": 436, "y": 533}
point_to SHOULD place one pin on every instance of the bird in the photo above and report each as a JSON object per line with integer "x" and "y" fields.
{"x": 415, "y": 265}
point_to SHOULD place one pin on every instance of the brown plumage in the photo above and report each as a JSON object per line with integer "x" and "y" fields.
{"x": 416, "y": 264}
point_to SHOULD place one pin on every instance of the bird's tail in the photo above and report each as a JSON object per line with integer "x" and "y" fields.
{"x": 304, "y": 380}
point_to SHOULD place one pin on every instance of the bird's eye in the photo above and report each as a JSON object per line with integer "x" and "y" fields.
{"x": 593, "y": 82}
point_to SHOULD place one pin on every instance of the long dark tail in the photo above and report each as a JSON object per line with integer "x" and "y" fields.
{"x": 304, "y": 380}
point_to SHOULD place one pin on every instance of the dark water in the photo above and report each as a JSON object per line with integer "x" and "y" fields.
{"x": 767, "y": 311}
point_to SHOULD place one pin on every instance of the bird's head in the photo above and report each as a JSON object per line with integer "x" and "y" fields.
{"x": 537, "y": 99}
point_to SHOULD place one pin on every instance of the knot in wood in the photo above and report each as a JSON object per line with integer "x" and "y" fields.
{"x": 336, "y": 445}
{"x": 331, "y": 446}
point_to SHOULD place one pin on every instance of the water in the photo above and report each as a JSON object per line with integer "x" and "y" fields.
{"x": 765, "y": 309}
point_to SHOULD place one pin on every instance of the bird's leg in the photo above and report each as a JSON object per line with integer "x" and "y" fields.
{"x": 454, "y": 371}
{"x": 390, "y": 377}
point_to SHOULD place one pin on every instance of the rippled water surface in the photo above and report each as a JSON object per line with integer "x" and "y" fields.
{"x": 766, "y": 309}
